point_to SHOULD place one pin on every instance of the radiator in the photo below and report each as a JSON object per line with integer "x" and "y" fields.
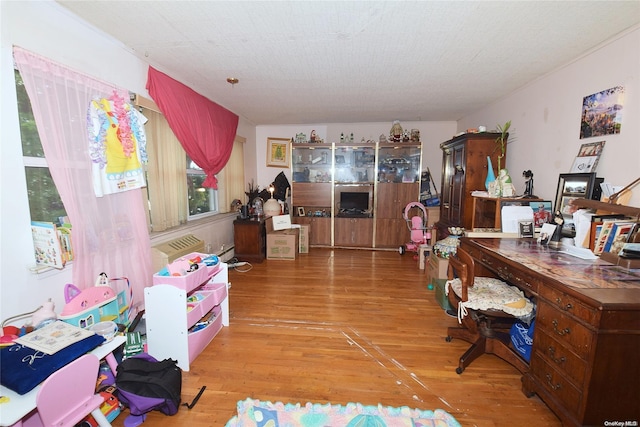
{"x": 167, "y": 252}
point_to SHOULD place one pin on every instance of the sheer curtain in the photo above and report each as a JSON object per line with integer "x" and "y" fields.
{"x": 205, "y": 129}
{"x": 109, "y": 233}
{"x": 166, "y": 174}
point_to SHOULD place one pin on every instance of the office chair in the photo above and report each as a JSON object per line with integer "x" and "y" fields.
{"x": 68, "y": 395}
{"x": 487, "y": 308}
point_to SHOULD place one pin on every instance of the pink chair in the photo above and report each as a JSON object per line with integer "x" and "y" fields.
{"x": 69, "y": 395}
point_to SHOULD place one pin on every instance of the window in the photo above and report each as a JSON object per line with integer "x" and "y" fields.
{"x": 201, "y": 200}
{"x": 168, "y": 159}
{"x": 44, "y": 201}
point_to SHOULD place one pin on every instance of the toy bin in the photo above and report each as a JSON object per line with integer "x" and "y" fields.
{"x": 218, "y": 291}
{"x": 211, "y": 261}
{"x": 188, "y": 282}
{"x": 202, "y": 334}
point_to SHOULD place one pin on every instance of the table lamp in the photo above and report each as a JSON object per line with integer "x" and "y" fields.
{"x": 271, "y": 206}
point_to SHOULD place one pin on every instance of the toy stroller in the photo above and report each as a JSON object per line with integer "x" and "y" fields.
{"x": 417, "y": 224}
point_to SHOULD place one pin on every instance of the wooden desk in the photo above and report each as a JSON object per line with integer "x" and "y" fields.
{"x": 21, "y": 407}
{"x": 584, "y": 360}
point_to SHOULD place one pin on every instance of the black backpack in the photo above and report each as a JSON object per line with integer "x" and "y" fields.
{"x": 144, "y": 384}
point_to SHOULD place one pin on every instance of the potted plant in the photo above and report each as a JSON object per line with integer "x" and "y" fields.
{"x": 501, "y": 142}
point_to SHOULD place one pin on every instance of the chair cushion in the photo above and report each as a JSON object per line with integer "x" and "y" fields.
{"x": 488, "y": 293}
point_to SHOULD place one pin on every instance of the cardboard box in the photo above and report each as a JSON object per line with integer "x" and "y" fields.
{"x": 303, "y": 239}
{"x": 437, "y": 268}
{"x": 281, "y": 244}
{"x": 281, "y": 222}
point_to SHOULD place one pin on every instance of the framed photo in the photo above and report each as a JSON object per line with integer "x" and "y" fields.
{"x": 278, "y": 152}
{"x": 573, "y": 186}
{"x": 542, "y": 212}
{"x": 588, "y": 157}
{"x": 301, "y": 211}
{"x": 525, "y": 229}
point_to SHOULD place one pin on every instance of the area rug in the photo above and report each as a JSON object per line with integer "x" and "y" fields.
{"x": 266, "y": 414}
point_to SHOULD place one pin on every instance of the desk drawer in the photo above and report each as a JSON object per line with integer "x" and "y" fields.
{"x": 520, "y": 278}
{"x": 556, "y": 384}
{"x": 561, "y": 358}
{"x": 564, "y": 329}
{"x": 570, "y": 305}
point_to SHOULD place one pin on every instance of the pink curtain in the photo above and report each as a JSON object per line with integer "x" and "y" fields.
{"x": 205, "y": 129}
{"x": 109, "y": 233}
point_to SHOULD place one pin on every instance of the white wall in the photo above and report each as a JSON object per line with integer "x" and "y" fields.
{"x": 546, "y": 115}
{"x": 46, "y": 28}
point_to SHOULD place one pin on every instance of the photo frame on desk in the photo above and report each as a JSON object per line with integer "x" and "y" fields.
{"x": 278, "y": 152}
{"x": 573, "y": 186}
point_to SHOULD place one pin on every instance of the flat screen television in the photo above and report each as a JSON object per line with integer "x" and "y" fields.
{"x": 354, "y": 201}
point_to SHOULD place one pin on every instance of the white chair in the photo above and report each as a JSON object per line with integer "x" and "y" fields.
{"x": 68, "y": 395}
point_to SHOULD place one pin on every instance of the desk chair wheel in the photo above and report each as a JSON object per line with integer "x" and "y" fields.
{"x": 459, "y": 370}
{"x": 448, "y": 338}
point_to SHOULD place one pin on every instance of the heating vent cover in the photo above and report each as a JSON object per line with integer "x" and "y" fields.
{"x": 167, "y": 252}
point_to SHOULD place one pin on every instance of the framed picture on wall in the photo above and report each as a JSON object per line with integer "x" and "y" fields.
{"x": 573, "y": 186}
{"x": 278, "y": 152}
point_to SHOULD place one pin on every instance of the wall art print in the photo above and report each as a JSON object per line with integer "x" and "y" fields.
{"x": 278, "y": 152}
{"x": 602, "y": 113}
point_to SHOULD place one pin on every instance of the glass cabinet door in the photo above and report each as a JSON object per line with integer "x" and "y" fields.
{"x": 399, "y": 162}
{"x": 311, "y": 162}
{"x": 354, "y": 164}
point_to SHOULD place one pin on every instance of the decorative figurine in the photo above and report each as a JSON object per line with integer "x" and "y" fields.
{"x": 396, "y": 131}
{"x": 502, "y": 186}
{"x": 528, "y": 190}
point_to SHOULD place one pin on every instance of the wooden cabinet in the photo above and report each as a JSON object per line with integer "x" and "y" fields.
{"x": 183, "y": 315}
{"x": 579, "y": 357}
{"x": 464, "y": 170}
{"x": 249, "y": 239}
{"x": 391, "y": 227}
{"x": 353, "y": 232}
{"x": 319, "y": 229}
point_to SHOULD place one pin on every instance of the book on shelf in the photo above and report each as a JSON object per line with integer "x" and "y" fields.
{"x": 618, "y": 236}
{"x": 595, "y": 233}
{"x": 602, "y": 237}
{"x": 46, "y": 242}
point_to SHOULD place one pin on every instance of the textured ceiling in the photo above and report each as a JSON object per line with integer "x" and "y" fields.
{"x": 357, "y": 61}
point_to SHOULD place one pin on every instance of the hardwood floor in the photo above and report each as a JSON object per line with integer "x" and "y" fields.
{"x": 346, "y": 326}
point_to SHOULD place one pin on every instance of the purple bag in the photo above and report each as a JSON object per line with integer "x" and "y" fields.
{"x": 144, "y": 384}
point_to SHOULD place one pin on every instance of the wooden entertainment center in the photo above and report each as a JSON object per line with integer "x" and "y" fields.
{"x": 389, "y": 173}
